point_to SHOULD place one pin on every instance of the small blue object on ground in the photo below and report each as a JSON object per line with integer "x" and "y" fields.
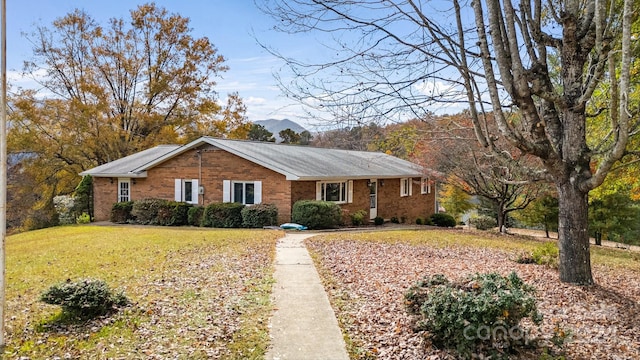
{"x": 292, "y": 226}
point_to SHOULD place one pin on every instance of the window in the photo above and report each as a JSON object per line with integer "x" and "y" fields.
{"x": 186, "y": 190}
{"x": 124, "y": 190}
{"x": 425, "y": 186}
{"x": 405, "y": 187}
{"x": 243, "y": 192}
{"x": 340, "y": 192}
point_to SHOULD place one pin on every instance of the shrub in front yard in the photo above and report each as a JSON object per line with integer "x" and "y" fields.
{"x": 194, "y": 215}
{"x": 316, "y": 214}
{"x": 259, "y": 215}
{"x": 483, "y": 222}
{"x": 378, "y": 220}
{"x": 145, "y": 211}
{"x": 83, "y": 218}
{"x": 84, "y": 299}
{"x": 480, "y": 315}
{"x": 173, "y": 213}
{"x": 546, "y": 254}
{"x": 442, "y": 220}
{"x": 121, "y": 212}
{"x": 223, "y": 215}
{"x": 358, "y": 217}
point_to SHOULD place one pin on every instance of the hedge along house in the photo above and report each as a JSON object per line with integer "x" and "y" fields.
{"x": 210, "y": 170}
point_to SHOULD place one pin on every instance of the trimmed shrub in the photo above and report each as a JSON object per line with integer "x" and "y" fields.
{"x": 478, "y": 316}
{"x": 194, "y": 215}
{"x": 223, "y": 215}
{"x": 546, "y": 254}
{"x": 84, "y": 218}
{"x": 84, "y": 299}
{"x": 173, "y": 213}
{"x": 316, "y": 214}
{"x": 145, "y": 211}
{"x": 419, "y": 221}
{"x": 357, "y": 218}
{"x": 378, "y": 221}
{"x": 443, "y": 220}
{"x": 483, "y": 222}
{"x": 259, "y": 215}
{"x": 121, "y": 212}
{"x": 394, "y": 219}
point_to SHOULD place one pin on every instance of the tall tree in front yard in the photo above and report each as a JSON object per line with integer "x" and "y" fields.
{"x": 406, "y": 57}
{"x": 109, "y": 90}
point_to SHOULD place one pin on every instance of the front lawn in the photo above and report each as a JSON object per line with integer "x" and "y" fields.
{"x": 366, "y": 276}
{"x": 196, "y": 293}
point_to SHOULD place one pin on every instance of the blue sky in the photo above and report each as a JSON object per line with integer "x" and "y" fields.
{"x": 229, "y": 24}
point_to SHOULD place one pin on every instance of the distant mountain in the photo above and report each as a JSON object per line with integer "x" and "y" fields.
{"x": 275, "y": 126}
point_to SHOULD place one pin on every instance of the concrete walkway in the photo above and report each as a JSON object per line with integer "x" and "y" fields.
{"x": 303, "y": 325}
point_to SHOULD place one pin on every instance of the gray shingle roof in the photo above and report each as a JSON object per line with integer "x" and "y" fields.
{"x": 293, "y": 161}
{"x": 125, "y": 166}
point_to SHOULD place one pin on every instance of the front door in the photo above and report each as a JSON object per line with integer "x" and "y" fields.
{"x": 373, "y": 199}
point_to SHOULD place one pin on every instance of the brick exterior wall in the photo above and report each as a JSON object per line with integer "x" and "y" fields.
{"x": 390, "y": 203}
{"x": 219, "y": 165}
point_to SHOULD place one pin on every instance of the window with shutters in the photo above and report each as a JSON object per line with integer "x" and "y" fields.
{"x": 339, "y": 192}
{"x": 425, "y": 185}
{"x": 186, "y": 190}
{"x": 242, "y": 192}
{"x": 405, "y": 187}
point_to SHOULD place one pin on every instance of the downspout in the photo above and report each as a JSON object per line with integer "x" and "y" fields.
{"x": 199, "y": 152}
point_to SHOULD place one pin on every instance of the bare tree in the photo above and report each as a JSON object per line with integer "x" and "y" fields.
{"x": 397, "y": 58}
{"x": 508, "y": 183}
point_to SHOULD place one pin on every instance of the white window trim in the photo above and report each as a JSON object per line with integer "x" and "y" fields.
{"x": 179, "y": 190}
{"x": 227, "y": 191}
{"x": 348, "y": 192}
{"x": 425, "y": 185}
{"x": 124, "y": 181}
{"x": 404, "y": 182}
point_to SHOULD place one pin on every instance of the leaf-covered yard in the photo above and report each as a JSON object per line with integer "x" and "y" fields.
{"x": 196, "y": 293}
{"x": 366, "y": 276}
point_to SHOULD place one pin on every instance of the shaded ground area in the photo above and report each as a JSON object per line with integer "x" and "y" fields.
{"x": 366, "y": 276}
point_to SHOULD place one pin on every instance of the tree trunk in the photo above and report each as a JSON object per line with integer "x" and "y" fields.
{"x": 575, "y": 261}
{"x": 501, "y": 216}
{"x": 598, "y": 236}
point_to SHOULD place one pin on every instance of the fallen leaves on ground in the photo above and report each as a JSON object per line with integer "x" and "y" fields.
{"x": 366, "y": 281}
{"x": 195, "y": 294}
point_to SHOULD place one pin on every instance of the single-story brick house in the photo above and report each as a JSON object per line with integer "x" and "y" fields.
{"x": 210, "y": 170}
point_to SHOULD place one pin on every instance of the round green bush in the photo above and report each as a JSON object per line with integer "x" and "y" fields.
{"x": 316, "y": 214}
{"x": 145, "y": 211}
{"x": 378, "y": 221}
{"x": 84, "y": 299}
{"x": 121, "y": 212}
{"x": 223, "y": 215}
{"x": 358, "y": 217}
{"x": 480, "y": 315}
{"x": 443, "y": 220}
{"x": 259, "y": 215}
{"x": 194, "y": 215}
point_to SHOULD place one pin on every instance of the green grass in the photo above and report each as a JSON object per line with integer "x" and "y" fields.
{"x": 193, "y": 290}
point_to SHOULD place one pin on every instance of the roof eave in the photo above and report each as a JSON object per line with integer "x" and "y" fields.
{"x": 139, "y": 175}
